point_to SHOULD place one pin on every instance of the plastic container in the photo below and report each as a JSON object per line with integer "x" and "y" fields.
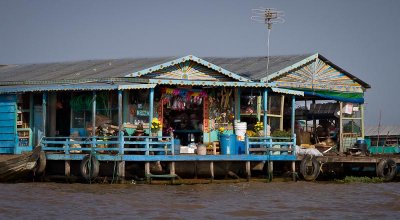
{"x": 240, "y": 129}
{"x": 362, "y": 145}
{"x": 240, "y": 147}
{"x": 228, "y": 144}
{"x": 201, "y": 150}
{"x": 177, "y": 146}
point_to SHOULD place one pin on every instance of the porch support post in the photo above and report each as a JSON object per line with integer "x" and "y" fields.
{"x": 314, "y": 120}
{"x": 362, "y": 121}
{"x": 259, "y": 107}
{"x": 120, "y": 110}
{"x": 151, "y": 112}
{"x": 44, "y": 104}
{"x": 293, "y": 114}
{"x": 282, "y": 109}
{"x": 125, "y": 104}
{"x": 237, "y": 103}
{"x": 94, "y": 119}
{"x": 265, "y": 117}
{"x": 52, "y": 102}
{"x": 341, "y": 127}
{"x": 31, "y": 111}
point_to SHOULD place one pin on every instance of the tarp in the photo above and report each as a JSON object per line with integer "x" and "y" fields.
{"x": 339, "y": 96}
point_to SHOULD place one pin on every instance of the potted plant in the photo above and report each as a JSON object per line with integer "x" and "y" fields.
{"x": 155, "y": 126}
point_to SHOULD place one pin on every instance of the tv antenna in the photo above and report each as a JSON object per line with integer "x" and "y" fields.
{"x": 267, "y": 16}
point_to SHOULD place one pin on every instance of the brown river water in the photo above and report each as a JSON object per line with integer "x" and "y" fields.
{"x": 248, "y": 200}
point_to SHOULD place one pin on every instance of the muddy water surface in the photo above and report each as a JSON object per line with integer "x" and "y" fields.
{"x": 250, "y": 200}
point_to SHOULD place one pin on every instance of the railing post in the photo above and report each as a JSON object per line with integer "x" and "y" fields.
{"x": 172, "y": 145}
{"x": 248, "y": 168}
{"x": 147, "y": 146}
{"x": 67, "y": 146}
{"x": 246, "y": 144}
{"x": 294, "y": 145}
{"x": 44, "y": 113}
{"x": 151, "y": 110}
{"x": 147, "y": 164}
{"x": 121, "y": 143}
{"x": 269, "y": 144}
{"x": 293, "y": 114}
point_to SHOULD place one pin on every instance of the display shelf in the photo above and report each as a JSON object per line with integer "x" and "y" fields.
{"x": 24, "y": 137}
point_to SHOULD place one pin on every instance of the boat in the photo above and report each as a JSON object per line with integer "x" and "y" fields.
{"x": 16, "y": 168}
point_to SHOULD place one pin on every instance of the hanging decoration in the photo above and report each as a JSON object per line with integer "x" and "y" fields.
{"x": 180, "y": 99}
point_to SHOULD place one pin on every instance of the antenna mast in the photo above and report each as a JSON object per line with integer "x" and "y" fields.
{"x": 267, "y": 16}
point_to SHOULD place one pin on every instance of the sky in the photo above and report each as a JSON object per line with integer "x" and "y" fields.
{"x": 360, "y": 36}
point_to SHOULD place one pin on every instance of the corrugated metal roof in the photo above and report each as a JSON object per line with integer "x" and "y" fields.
{"x": 253, "y": 68}
{"x": 392, "y": 130}
{"x": 250, "y": 67}
{"x": 78, "y": 70}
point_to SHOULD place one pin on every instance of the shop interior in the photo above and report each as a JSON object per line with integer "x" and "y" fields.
{"x": 182, "y": 111}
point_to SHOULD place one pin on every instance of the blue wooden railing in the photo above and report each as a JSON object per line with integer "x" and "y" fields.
{"x": 271, "y": 145}
{"x": 109, "y": 144}
{"x": 149, "y": 148}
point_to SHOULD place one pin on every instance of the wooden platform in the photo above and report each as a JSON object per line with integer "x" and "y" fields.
{"x": 342, "y": 158}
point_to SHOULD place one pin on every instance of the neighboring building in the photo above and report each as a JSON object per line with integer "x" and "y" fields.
{"x": 383, "y": 139}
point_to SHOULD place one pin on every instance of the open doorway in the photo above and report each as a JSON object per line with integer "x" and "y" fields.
{"x": 63, "y": 114}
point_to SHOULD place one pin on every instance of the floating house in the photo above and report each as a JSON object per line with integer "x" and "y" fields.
{"x": 150, "y": 110}
{"x": 383, "y": 139}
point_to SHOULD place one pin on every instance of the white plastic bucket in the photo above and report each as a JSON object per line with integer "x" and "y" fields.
{"x": 240, "y": 129}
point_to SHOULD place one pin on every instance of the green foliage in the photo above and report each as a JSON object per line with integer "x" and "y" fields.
{"x": 84, "y": 102}
{"x": 361, "y": 179}
{"x": 279, "y": 133}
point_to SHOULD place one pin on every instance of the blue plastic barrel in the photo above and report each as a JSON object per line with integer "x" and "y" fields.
{"x": 240, "y": 147}
{"x": 228, "y": 143}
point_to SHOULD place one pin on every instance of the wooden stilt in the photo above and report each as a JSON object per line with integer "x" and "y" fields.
{"x": 172, "y": 171}
{"x": 212, "y": 170}
{"x": 67, "y": 169}
{"x": 214, "y": 152}
{"x": 195, "y": 169}
{"x": 121, "y": 171}
{"x": 270, "y": 170}
{"x": 294, "y": 170}
{"x": 147, "y": 171}
{"x": 248, "y": 170}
